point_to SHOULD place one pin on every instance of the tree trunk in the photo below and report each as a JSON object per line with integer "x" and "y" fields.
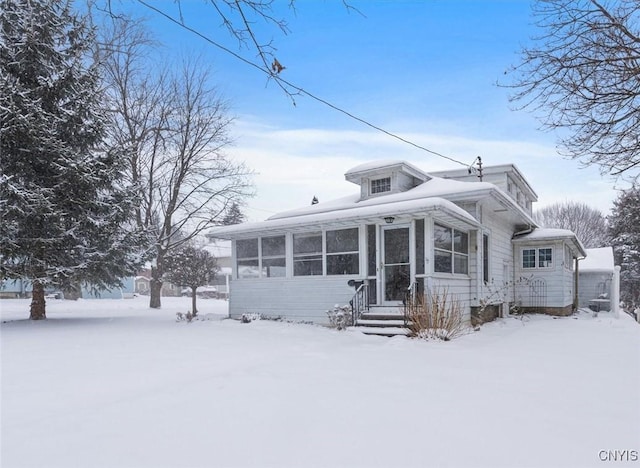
{"x": 38, "y": 302}
{"x": 155, "y": 293}
{"x": 194, "y": 311}
{"x": 155, "y": 285}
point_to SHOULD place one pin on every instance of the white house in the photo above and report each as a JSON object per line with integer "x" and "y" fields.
{"x": 405, "y": 230}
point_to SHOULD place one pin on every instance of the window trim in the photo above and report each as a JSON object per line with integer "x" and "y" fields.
{"x": 298, "y": 256}
{"x": 452, "y": 252}
{"x": 380, "y": 183}
{"x": 536, "y": 258}
{"x": 263, "y": 257}
{"x": 328, "y": 254}
{"x": 239, "y": 259}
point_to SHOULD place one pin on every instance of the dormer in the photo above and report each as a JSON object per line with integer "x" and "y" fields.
{"x": 381, "y": 178}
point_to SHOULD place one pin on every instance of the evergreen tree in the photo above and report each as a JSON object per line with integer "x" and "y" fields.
{"x": 624, "y": 226}
{"x": 64, "y": 210}
{"x": 233, "y": 216}
{"x": 191, "y": 267}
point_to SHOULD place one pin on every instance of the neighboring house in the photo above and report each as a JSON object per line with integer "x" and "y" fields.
{"x": 221, "y": 250}
{"x": 22, "y": 289}
{"x": 595, "y": 279}
{"x": 14, "y": 289}
{"x": 142, "y": 285}
{"x": 404, "y": 230}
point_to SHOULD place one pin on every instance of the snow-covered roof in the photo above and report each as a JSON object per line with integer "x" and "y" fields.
{"x": 353, "y": 213}
{"x": 433, "y": 194}
{"x": 385, "y": 165}
{"x": 551, "y": 234}
{"x": 598, "y": 260}
{"x": 436, "y": 187}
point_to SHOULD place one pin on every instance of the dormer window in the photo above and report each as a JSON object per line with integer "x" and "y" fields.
{"x": 381, "y": 185}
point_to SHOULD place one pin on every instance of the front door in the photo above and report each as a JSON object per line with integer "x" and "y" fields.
{"x": 396, "y": 273}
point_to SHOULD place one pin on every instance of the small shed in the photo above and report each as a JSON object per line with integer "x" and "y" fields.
{"x": 595, "y": 278}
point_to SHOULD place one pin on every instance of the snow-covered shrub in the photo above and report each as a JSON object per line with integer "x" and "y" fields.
{"x": 248, "y": 318}
{"x": 436, "y": 315}
{"x": 188, "y": 317}
{"x": 340, "y": 317}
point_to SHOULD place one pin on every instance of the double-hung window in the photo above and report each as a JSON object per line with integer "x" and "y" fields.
{"x": 537, "y": 257}
{"x": 248, "y": 262}
{"x": 342, "y": 252}
{"x": 307, "y": 254}
{"x": 451, "y": 250}
{"x": 273, "y": 256}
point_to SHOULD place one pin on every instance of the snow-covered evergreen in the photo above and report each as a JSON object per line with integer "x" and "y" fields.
{"x": 64, "y": 209}
{"x": 624, "y": 225}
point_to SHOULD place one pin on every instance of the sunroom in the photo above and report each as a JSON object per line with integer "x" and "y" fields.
{"x": 299, "y": 266}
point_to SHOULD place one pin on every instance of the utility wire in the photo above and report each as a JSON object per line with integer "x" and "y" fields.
{"x": 298, "y": 89}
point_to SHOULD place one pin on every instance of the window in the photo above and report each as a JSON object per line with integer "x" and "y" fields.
{"x": 419, "y": 246}
{"x": 545, "y": 258}
{"x": 247, "y": 258}
{"x": 537, "y": 258}
{"x": 451, "y": 250}
{"x": 485, "y": 258}
{"x": 307, "y": 254}
{"x": 529, "y": 258}
{"x": 381, "y": 185}
{"x": 568, "y": 258}
{"x": 273, "y": 257}
{"x": 342, "y": 252}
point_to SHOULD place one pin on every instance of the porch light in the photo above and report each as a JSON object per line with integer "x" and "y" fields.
{"x": 389, "y": 219}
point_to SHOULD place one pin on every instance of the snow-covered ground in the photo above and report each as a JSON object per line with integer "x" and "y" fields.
{"x": 111, "y": 383}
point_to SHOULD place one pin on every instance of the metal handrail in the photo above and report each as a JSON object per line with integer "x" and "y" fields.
{"x": 409, "y": 298}
{"x": 359, "y": 302}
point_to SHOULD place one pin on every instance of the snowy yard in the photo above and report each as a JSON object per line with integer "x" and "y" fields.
{"x": 112, "y": 383}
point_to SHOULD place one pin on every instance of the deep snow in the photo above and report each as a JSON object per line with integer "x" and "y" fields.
{"x": 111, "y": 383}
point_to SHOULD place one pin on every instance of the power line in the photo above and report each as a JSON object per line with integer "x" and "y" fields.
{"x": 298, "y": 89}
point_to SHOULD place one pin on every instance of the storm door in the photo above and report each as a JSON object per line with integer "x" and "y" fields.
{"x": 396, "y": 273}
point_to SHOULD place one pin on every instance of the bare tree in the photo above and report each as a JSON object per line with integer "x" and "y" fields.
{"x": 582, "y": 75}
{"x": 588, "y": 224}
{"x": 174, "y": 127}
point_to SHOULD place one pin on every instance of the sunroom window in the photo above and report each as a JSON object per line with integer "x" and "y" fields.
{"x": 247, "y": 258}
{"x": 307, "y": 254}
{"x": 451, "y": 250}
{"x": 342, "y": 252}
{"x": 273, "y": 256}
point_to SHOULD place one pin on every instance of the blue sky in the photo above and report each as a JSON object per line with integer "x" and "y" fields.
{"x": 426, "y": 70}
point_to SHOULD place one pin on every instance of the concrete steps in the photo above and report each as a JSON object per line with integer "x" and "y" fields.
{"x": 382, "y": 321}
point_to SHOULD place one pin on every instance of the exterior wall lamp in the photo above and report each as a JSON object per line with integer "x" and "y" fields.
{"x": 389, "y": 219}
